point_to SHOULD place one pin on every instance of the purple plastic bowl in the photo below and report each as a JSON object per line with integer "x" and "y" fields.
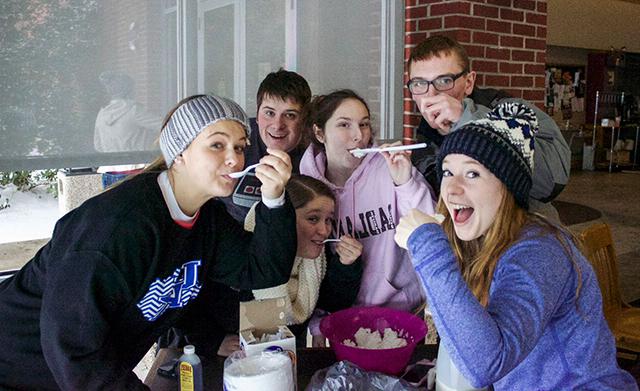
{"x": 344, "y": 324}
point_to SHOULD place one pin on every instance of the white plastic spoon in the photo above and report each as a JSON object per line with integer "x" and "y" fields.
{"x": 360, "y": 152}
{"x": 331, "y": 240}
{"x": 240, "y": 174}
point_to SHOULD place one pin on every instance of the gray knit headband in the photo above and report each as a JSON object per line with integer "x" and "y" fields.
{"x": 192, "y": 117}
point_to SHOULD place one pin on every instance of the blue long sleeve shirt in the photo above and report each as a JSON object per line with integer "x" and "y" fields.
{"x": 533, "y": 334}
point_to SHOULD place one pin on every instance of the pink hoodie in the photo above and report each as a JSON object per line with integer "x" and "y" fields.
{"x": 371, "y": 200}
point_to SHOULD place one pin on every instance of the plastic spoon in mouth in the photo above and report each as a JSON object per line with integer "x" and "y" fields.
{"x": 360, "y": 152}
{"x": 240, "y": 174}
{"x": 331, "y": 240}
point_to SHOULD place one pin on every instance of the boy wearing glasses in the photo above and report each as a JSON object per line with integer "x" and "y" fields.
{"x": 442, "y": 86}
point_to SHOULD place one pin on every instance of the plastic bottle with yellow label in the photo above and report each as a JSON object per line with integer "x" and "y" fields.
{"x": 190, "y": 370}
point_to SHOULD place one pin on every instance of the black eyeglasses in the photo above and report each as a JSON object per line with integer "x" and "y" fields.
{"x": 419, "y": 86}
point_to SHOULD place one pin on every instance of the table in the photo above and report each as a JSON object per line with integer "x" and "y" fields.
{"x": 309, "y": 361}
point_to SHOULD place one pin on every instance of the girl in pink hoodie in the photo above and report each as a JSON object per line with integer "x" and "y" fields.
{"x": 372, "y": 193}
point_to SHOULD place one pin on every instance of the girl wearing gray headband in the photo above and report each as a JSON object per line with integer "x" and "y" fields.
{"x": 128, "y": 264}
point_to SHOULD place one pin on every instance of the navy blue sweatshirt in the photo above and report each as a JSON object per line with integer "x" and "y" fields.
{"x": 117, "y": 273}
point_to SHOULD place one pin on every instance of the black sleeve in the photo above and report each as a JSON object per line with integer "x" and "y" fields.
{"x": 262, "y": 259}
{"x": 211, "y": 316}
{"x": 340, "y": 285}
{"x": 84, "y": 294}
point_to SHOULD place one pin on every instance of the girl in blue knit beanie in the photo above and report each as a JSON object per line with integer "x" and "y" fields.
{"x": 516, "y": 304}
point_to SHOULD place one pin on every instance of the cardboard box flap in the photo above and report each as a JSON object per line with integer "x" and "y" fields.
{"x": 265, "y": 314}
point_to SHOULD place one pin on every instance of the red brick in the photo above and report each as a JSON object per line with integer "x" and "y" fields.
{"x": 524, "y": 4}
{"x": 508, "y": 67}
{"x": 501, "y": 3}
{"x": 523, "y": 55}
{"x": 540, "y": 19}
{"x": 534, "y": 69}
{"x": 532, "y": 95}
{"x": 542, "y": 7}
{"x": 467, "y": 22}
{"x": 516, "y": 93}
{"x": 539, "y": 81}
{"x": 474, "y": 50}
{"x": 408, "y": 105}
{"x": 521, "y": 81}
{"x": 407, "y": 52}
{"x": 496, "y": 81}
{"x": 479, "y": 80}
{"x": 500, "y": 27}
{"x": 541, "y": 57}
{"x": 539, "y": 44}
{"x": 410, "y": 3}
{"x": 430, "y": 24}
{"x": 450, "y": 8}
{"x": 485, "y": 38}
{"x": 500, "y": 54}
{"x": 409, "y": 119}
{"x": 410, "y": 26}
{"x": 484, "y": 66}
{"x": 429, "y": 1}
{"x": 415, "y": 38}
{"x": 524, "y": 29}
{"x": 509, "y": 14}
{"x": 486, "y": 11}
{"x": 511, "y": 41}
{"x": 415, "y": 12}
{"x": 541, "y": 32}
{"x": 460, "y": 35}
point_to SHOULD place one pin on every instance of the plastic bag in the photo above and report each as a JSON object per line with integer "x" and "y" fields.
{"x": 344, "y": 375}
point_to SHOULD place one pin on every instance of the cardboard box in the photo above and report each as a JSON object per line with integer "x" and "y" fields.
{"x": 258, "y": 317}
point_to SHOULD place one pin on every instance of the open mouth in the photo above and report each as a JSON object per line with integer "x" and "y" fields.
{"x": 278, "y": 136}
{"x": 461, "y": 213}
{"x": 318, "y": 242}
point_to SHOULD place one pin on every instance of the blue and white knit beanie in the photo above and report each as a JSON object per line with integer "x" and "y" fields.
{"x": 503, "y": 142}
{"x": 192, "y": 117}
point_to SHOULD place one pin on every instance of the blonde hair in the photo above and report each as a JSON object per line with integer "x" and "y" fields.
{"x": 478, "y": 258}
{"x": 158, "y": 164}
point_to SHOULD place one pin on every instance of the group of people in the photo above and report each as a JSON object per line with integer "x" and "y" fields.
{"x": 514, "y": 301}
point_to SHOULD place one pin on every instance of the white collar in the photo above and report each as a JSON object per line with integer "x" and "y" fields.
{"x": 170, "y": 199}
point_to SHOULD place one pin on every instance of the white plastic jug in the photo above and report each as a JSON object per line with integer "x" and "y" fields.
{"x": 448, "y": 378}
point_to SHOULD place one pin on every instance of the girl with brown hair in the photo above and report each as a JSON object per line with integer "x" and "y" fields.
{"x": 516, "y": 304}
{"x": 325, "y": 276}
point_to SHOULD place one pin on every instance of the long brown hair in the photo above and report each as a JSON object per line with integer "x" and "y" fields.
{"x": 321, "y": 108}
{"x": 478, "y": 258}
{"x": 302, "y": 189}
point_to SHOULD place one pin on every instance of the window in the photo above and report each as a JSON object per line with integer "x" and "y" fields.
{"x": 87, "y": 82}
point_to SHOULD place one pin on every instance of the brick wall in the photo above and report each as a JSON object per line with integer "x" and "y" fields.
{"x": 505, "y": 39}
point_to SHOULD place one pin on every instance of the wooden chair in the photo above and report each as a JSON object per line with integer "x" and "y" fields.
{"x": 623, "y": 320}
